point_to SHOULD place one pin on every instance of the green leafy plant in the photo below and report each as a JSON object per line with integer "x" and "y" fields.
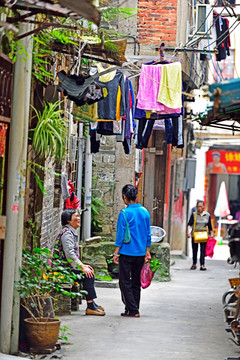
{"x": 103, "y": 277}
{"x": 96, "y": 207}
{"x": 32, "y": 230}
{"x": 42, "y": 276}
{"x": 154, "y": 264}
{"x": 34, "y": 168}
{"x": 49, "y": 135}
{"x": 109, "y": 261}
{"x": 64, "y": 333}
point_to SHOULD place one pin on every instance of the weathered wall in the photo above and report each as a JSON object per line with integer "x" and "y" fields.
{"x": 112, "y": 169}
{"x": 50, "y": 214}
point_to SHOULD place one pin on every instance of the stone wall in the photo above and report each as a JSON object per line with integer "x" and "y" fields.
{"x": 112, "y": 169}
{"x": 97, "y": 255}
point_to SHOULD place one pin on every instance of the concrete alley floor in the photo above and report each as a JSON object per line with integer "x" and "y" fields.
{"x": 180, "y": 320}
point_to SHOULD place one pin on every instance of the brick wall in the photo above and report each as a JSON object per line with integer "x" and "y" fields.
{"x": 50, "y": 215}
{"x": 157, "y": 21}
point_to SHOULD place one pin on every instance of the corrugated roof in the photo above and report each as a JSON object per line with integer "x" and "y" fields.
{"x": 75, "y": 9}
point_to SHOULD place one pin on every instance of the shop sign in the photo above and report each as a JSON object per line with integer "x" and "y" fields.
{"x": 222, "y": 161}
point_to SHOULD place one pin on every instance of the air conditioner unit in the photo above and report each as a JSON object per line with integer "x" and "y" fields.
{"x": 203, "y": 21}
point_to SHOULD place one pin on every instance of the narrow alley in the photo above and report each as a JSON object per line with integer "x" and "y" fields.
{"x": 180, "y": 320}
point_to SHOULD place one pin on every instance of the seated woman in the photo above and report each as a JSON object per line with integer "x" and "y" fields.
{"x": 68, "y": 248}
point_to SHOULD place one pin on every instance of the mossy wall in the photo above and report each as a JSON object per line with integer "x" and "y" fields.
{"x": 97, "y": 255}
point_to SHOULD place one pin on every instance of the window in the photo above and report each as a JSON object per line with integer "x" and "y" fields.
{"x": 220, "y": 3}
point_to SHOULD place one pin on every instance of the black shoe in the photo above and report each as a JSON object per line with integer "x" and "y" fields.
{"x": 202, "y": 268}
{"x": 125, "y": 314}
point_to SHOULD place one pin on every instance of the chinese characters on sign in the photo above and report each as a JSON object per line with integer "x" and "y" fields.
{"x": 219, "y": 161}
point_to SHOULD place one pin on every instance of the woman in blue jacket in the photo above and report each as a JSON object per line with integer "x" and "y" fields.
{"x": 131, "y": 256}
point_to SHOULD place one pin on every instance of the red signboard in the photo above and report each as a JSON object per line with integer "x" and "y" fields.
{"x": 222, "y": 161}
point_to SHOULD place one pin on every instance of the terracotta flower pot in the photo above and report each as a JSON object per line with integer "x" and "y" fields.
{"x": 42, "y": 334}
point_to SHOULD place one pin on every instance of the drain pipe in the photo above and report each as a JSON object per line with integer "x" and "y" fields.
{"x": 81, "y": 147}
{"x": 86, "y": 232}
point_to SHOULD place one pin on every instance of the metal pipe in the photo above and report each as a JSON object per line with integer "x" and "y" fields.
{"x": 15, "y": 195}
{"x": 81, "y": 147}
{"x": 86, "y": 233}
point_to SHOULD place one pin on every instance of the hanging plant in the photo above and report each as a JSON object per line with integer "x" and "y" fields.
{"x": 49, "y": 136}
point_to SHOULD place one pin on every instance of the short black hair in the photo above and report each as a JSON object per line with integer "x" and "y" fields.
{"x": 67, "y": 216}
{"x": 130, "y": 192}
{"x": 200, "y": 201}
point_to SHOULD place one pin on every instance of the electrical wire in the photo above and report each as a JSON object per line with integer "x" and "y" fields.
{"x": 195, "y": 70}
{"x": 190, "y": 75}
{"x": 235, "y": 56}
{"x": 226, "y": 32}
{"x": 212, "y": 58}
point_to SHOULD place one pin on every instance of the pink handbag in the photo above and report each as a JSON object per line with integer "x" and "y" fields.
{"x": 146, "y": 275}
{"x": 209, "y": 251}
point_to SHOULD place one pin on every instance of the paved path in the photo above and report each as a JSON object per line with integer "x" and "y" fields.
{"x": 180, "y": 320}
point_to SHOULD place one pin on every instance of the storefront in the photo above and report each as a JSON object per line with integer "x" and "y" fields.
{"x": 223, "y": 165}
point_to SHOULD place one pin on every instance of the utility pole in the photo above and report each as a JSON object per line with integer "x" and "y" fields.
{"x": 15, "y": 194}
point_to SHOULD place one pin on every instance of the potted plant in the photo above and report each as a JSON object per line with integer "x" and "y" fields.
{"x": 42, "y": 275}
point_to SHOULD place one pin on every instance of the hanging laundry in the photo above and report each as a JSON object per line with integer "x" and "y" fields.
{"x": 168, "y": 131}
{"x": 80, "y": 89}
{"x": 95, "y": 142}
{"x": 143, "y": 132}
{"x": 223, "y": 37}
{"x": 149, "y": 82}
{"x": 177, "y": 128}
{"x": 159, "y": 124}
{"x": 170, "y": 89}
{"x": 107, "y": 107}
{"x": 140, "y": 114}
{"x": 107, "y": 77}
{"x": 73, "y": 202}
{"x": 85, "y": 113}
{"x": 64, "y": 186}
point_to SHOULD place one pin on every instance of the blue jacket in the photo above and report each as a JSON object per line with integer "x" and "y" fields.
{"x": 139, "y": 225}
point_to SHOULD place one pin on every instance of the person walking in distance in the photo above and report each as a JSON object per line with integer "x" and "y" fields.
{"x": 202, "y": 221}
{"x": 131, "y": 255}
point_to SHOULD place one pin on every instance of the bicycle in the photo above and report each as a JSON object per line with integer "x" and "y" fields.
{"x": 231, "y": 298}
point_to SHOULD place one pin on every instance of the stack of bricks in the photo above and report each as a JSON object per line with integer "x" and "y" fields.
{"x": 157, "y": 22}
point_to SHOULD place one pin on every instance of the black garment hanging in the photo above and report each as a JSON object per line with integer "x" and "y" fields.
{"x": 82, "y": 90}
{"x": 223, "y": 37}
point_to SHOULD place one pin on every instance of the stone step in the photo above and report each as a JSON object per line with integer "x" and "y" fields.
{"x": 177, "y": 254}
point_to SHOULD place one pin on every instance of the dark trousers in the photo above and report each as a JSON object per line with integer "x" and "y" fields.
{"x": 88, "y": 285}
{"x": 129, "y": 281}
{"x": 195, "y": 251}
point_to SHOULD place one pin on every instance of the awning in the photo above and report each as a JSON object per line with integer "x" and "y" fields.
{"x": 75, "y": 9}
{"x": 224, "y": 105}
